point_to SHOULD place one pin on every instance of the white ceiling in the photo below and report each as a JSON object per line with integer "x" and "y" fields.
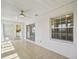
{"x": 11, "y": 8}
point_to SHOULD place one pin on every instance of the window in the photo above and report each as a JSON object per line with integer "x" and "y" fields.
{"x": 62, "y": 27}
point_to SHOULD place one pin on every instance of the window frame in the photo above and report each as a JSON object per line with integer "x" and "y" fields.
{"x": 59, "y": 39}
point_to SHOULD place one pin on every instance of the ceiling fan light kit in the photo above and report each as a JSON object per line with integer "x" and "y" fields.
{"x": 22, "y": 14}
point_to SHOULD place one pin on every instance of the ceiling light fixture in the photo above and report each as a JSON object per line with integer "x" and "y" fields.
{"x": 22, "y": 14}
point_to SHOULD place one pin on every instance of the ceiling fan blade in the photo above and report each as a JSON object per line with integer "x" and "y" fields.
{"x": 23, "y": 14}
{"x": 27, "y": 10}
{"x": 28, "y": 16}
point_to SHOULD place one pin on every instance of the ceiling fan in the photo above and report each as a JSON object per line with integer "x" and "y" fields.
{"x": 22, "y": 14}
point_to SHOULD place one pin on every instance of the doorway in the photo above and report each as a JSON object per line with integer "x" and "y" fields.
{"x": 30, "y": 32}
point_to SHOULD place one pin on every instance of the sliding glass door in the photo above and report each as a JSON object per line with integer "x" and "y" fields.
{"x": 30, "y": 32}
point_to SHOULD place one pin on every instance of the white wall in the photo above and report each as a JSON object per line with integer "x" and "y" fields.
{"x": 42, "y": 32}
